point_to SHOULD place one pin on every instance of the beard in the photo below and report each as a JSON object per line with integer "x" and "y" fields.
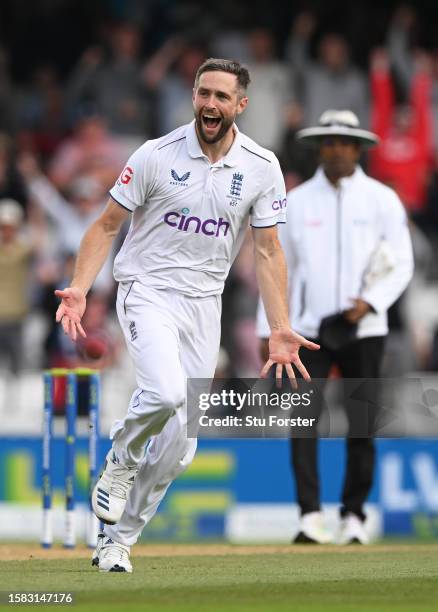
{"x": 224, "y": 126}
{"x": 339, "y": 167}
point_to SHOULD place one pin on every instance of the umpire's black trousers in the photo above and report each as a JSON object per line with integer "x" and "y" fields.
{"x": 359, "y": 359}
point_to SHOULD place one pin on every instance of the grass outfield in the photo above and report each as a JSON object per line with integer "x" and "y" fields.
{"x": 234, "y": 578}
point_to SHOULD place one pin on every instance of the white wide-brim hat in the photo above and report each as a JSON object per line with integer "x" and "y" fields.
{"x": 338, "y": 123}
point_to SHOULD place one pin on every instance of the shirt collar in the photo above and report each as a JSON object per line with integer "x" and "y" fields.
{"x": 194, "y": 148}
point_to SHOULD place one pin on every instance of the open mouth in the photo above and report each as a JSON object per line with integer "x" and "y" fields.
{"x": 210, "y": 121}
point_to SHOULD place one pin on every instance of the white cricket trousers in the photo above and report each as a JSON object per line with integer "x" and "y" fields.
{"x": 170, "y": 337}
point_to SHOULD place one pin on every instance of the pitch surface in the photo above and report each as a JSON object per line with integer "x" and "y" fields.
{"x": 234, "y": 578}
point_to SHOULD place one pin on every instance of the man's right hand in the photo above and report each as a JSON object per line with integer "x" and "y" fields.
{"x": 284, "y": 345}
{"x": 70, "y": 311}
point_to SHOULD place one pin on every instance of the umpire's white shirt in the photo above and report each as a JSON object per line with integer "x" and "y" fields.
{"x": 329, "y": 239}
{"x": 190, "y": 216}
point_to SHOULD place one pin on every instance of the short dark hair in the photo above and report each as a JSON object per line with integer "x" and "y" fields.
{"x": 213, "y": 64}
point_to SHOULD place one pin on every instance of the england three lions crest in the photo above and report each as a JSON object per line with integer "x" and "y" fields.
{"x": 236, "y": 189}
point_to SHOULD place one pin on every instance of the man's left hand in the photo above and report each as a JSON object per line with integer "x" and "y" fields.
{"x": 358, "y": 311}
{"x": 284, "y": 345}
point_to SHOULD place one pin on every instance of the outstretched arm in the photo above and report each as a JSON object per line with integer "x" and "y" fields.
{"x": 93, "y": 252}
{"x": 382, "y": 94}
{"x": 284, "y": 343}
{"x": 421, "y": 102}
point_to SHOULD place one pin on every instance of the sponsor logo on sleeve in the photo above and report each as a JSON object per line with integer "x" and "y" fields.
{"x": 126, "y": 176}
{"x": 279, "y": 204}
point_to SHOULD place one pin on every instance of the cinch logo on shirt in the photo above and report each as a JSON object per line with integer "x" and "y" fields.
{"x": 279, "y": 204}
{"x": 209, "y": 227}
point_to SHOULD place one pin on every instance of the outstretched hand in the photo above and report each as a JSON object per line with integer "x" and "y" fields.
{"x": 284, "y": 345}
{"x": 70, "y": 311}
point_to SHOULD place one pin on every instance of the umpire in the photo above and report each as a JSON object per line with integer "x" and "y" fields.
{"x": 349, "y": 257}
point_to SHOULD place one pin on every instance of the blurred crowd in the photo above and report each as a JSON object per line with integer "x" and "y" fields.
{"x": 64, "y": 139}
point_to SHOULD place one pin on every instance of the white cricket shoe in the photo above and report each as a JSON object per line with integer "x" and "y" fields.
{"x": 353, "y": 531}
{"x": 110, "y": 556}
{"x": 112, "y": 489}
{"x": 312, "y": 530}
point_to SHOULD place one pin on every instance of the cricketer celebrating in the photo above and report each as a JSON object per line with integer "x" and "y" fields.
{"x": 191, "y": 194}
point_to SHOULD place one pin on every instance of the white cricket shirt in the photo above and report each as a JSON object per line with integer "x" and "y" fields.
{"x": 189, "y": 215}
{"x": 329, "y": 241}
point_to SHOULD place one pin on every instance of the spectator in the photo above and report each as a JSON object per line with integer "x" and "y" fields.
{"x": 7, "y": 96}
{"x": 90, "y": 150}
{"x": 330, "y": 82}
{"x": 15, "y": 257}
{"x": 298, "y": 162}
{"x": 227, "y": 37}
{"x": 405, "y": 156}
{"x": 115, "y": 84}
{"x": 70, "y": 217}
{"x": 271, "y": 92}
{"x": 42, "y": 114}
{"x": 420, "y": 302}
{"x": 400, "y": 35}
{"x": 428, "y": 222}
{"x": 171, "y": 73}
{"x": 11, "y": 182}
